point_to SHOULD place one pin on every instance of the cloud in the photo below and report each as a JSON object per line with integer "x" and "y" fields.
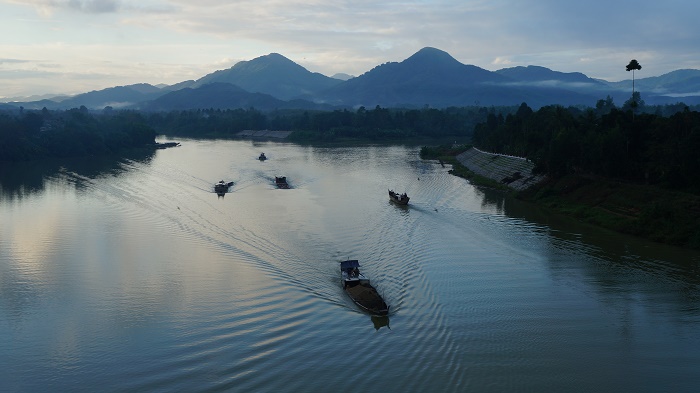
{"x": 155, "y": 37}
{"x": 501, "y": 61}
{"x": 49, "y": 7}
{"x": 94, "y": 6}
{"x": 13, "y": 61}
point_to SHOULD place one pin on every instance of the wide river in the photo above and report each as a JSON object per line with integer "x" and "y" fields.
{"x": 130, "y": 274}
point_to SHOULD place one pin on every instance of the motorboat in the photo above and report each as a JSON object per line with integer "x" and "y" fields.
{"x": 401, "y": 199}
{"x": 281, "y": 182}
{"x": 222, "y": 187}
{"x": 358, "y": 287}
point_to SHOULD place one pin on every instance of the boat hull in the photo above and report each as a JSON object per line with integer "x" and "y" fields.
{"x": 359, "y": 289}
{"x": 366, "y": 297}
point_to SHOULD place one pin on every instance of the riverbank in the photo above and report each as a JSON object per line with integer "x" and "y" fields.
{"x": 646, "y": 211}
{"x": 650, "y": 212}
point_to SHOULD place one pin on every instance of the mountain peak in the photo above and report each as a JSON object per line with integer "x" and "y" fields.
{"x": 273, "y": 60}
{"x": 271, "y": 74}
{"x": 432, "y": 55}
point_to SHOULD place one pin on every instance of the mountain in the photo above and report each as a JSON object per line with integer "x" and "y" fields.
{"x": 677, "y": 83}
{"x": 342, "y": 76}
{"x": 429, "y": 77}
{"x": 117, "y": 97}
{"x": 433, "y": 77}
{"x": 222, "y": 96}
{"x": 541, "y": 76}
{"x": 178, "y": 86}
{"x": 272, "y": 74}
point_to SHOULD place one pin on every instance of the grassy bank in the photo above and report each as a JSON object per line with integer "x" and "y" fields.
{"x": 650, "y": 212}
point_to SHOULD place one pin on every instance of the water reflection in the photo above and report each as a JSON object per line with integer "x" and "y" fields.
{"x": 22, "y": 179}
{"x": 380, "y": 321}
{"x": 617, "y": 266}
{"x": 136, "y": 274}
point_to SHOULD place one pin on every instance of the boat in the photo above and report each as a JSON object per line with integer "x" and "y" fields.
{"x": 281, "y": 182}
{"x": 401, "y": 199}
{"x": 358, "y": 287}
{"x": 222, "y": 187}
{"x": 262, "y": 157}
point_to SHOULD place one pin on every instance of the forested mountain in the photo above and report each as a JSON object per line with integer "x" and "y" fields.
{"x": 272, "y": 74}
{"x": 220, "y": 95}
{"x": 117, "y": 97}
{"x": 675, "y": 83}
{"x": 430, "y": 77}
{"x": 541, "y": 76}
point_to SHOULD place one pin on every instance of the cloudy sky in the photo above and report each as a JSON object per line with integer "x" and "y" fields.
{"x": 74, "y": 46}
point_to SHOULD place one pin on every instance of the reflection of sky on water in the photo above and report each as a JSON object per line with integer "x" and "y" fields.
{"x": 143, "y": 272}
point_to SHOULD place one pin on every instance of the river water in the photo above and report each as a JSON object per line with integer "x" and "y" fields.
{"x": 130, "y": 274}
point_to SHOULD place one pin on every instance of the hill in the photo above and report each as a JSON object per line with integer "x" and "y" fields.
{"x": 430, "y": 77}
{"x": 221, "y": 96}
{"x": 272, "y": 74}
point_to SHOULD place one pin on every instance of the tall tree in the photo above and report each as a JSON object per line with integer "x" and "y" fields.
{"x": 633, "y": 65}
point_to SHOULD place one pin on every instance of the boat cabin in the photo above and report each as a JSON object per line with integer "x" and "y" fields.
{"x": 222, "y": 186}
{"x": 350, "y": 272}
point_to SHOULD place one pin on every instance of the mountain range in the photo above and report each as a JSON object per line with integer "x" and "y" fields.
{"x": 430, "y": 77}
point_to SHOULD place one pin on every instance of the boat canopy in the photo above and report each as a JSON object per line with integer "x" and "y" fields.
{"x": 353, "y": 263}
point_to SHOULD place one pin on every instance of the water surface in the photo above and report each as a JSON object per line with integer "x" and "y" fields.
{"x": 130, "y": 274}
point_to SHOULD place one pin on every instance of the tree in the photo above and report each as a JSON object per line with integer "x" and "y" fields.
{"x": 633, "y": 65}
{"x": 634, "y": 103}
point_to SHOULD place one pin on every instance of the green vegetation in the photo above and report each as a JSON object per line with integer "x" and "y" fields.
{"x": 633, "y": 174}
{"x": 373, "y": 125}
{"x": 650, "y": 149}
{"x": 651, "y": 212}
{"x": 37, "y": 134}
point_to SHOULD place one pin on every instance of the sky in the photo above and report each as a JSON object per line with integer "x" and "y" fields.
{"x": 76, "y": 46}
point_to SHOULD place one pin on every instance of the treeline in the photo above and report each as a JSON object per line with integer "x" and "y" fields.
{"x": 26, "y": 135}
{"x": 327, "y": 126}
{"x": 647, "y": 148}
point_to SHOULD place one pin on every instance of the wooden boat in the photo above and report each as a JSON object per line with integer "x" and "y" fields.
{"x": 281, "y": 182}
{"x": 358, "y": 287}
{"x": 401, "y": 199}
{"x": 222, "y": 187}
{"x": 262, "y": 157}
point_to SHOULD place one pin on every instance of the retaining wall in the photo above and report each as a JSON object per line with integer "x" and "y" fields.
{"x": 514, "y": 172}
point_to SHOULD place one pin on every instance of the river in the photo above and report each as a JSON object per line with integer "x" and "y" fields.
{"x": 131, "y": 274}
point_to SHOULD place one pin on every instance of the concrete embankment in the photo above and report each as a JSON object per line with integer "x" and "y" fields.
{"x": 514, "y": 172}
